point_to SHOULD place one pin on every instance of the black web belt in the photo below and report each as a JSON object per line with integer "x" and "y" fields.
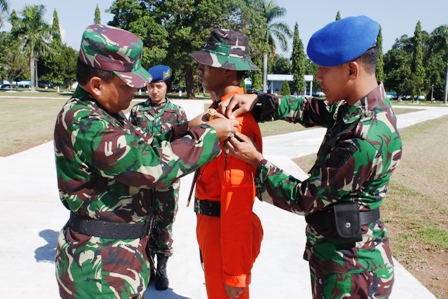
{"x": 106, "y": 229}
{"x": 326, "y": 218}
{"x": 207, "y": 207}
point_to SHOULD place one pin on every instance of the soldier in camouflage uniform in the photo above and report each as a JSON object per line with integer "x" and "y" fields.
{"x": 155, "y": 116}
{"x": 347, "y": 244}
{"x": 106, "y": 168}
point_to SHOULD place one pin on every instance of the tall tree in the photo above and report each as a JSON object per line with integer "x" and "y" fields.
{"x": 65, "y": 61}
{"x": 12, "y": 59}
{"x": 34, "y": 32}
{"x": 397, "y": 66}
{"x": 298, "y": 62}
{"x": 257, "y": 76}
{"x": 436, "y": 60}
{"x": 4, "y": 8}
{"x": 55, "y": 29}
{"x": 97, "y": 18}
{"x": 279, "y": 30}
{"x": 338, "y": 16}
{"x": 281, "y": 65}
{"x": 438, "y": 40}
{"x": 417, "y": 69}
{"x": 311, "y": 69}
{"x": 380, "y": 62}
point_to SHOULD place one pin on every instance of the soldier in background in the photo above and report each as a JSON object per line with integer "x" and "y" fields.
{"x": 156, "y": 116}
{"x": 106, "y": 168}
{"x": 347, "y": 244}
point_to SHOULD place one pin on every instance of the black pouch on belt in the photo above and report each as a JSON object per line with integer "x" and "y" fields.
{"x": 347, "y": 221}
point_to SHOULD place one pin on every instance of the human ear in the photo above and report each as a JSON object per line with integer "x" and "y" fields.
{"x": 353, "y": 69}
{"x": 95, "y": 86}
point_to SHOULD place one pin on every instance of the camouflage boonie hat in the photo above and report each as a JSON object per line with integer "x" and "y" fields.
{"x": 114, "y": 49}
{"x": 226, "y": 49}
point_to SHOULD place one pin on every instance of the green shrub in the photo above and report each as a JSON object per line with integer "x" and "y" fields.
{"x": 286, "y": 91}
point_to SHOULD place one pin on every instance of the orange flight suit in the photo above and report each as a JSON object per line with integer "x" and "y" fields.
{"x": 229, "y": 243}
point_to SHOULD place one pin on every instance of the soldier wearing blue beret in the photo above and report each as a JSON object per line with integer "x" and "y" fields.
{"x": 155, "y": 116}
{"x": 347, "y": 244}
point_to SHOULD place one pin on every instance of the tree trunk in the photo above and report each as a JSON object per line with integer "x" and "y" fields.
{"x": 445, "y": 93}
{"x": 32, "y": 72}
{"x": 189, "y": 82}
{"x": 265, "y": 72}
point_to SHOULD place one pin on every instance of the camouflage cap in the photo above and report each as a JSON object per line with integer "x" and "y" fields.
{"x": 226, "y": 49}
{"x": 114, "y": 49}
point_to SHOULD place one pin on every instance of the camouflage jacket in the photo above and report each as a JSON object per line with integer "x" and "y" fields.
{"x": 157, "y": 119}
{"x": 355, "y": 161}
{"x": 103, "y": 161}
{"x": 104, "y": 164}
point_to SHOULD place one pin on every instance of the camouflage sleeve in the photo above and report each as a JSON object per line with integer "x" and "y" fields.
{"x": 137, "y": 117}
{"x": 340, "y": 177}
{"x": 134, "y": 160}
{"x": 181, "y": 116}
{"x": 308, "y": 112}
{"x": 133, "y": 115}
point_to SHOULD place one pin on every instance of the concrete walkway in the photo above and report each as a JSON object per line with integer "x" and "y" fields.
{"x": 31, "y": 216}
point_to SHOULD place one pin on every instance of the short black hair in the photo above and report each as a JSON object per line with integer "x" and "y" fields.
{"x": 168, "y": 83}
{"x": 84, "y": 72}
{"x": 369, "y": 59}
{"x": 240, "y": 75}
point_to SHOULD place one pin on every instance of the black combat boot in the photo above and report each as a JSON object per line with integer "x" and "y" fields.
{"x": 162, "y": 281}
{"x": 152, "y": 270}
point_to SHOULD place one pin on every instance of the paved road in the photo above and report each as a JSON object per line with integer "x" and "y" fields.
{"x": 31, "y": 216}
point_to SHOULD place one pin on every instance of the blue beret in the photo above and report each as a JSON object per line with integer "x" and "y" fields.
{"x": 342, "y": 41}
{"x": 160, "y": 73}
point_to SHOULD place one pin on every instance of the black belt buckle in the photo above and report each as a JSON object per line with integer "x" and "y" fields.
{"x": 207, "y": 207}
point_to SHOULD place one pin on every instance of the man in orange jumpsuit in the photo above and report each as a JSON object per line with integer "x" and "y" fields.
{"x": 228, "y": 232}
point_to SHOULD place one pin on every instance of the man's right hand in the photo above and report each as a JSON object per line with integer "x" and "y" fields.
{"x": 224, "y": 127}
{"x": 233, "y": 292}
{"x": 243, "y": 102}
{"x": 240, "y": 146}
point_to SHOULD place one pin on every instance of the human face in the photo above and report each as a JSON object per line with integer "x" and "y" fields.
{"x": 115, "y": 95}
{"x": 157, "y": 92}
{"x": 211, "y": 78}
{"x": 333, "y": 82}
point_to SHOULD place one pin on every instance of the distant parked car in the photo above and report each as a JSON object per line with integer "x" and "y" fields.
{"x": 5, "y": 86}
{"x": 45, "y": 84}
{"x": 318, "y": 94}
{"x": 391, "y": 94}
{"x": 24, "y": 83}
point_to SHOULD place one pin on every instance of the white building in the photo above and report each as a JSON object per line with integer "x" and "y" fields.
{"x": 275, "y": 83}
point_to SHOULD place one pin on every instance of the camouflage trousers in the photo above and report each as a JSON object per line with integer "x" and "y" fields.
{"x": 164, "y": 212}
{"x": 92, "y": 267}
{"x": 372, "y": 285}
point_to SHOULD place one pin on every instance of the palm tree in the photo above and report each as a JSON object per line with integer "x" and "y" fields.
{"x": 279, "y": 30}
{"x": 34, "y": 32}
{"x": 4, "y": 7}
{"x": 438, "y": 40}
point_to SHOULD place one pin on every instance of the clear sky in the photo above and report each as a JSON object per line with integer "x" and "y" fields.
{"x": 396, "y": 17}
